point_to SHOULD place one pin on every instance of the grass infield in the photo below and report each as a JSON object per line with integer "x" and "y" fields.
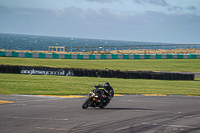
{"x": 175, "y": 65}
{"x": 62, "y": 85}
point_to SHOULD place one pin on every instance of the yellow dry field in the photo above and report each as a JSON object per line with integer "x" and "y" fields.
{"x": 159, "y": 51}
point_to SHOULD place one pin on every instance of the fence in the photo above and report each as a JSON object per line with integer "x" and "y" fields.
{"x": 98, "y": 56}
{"x": 123, "y": 47}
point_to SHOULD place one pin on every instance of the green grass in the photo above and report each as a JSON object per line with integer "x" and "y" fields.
{"x": 176, "y": 65}
{"x": 62, "y": 85}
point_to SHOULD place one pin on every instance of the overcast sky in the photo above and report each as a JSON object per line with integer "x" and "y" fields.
{"x": 168, "y": 21}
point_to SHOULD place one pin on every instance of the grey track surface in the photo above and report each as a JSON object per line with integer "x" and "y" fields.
{"x": 197, "y": 75}
{"x": 130, "y": 113}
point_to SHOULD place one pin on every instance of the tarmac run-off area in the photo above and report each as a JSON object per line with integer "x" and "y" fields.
{"x": 125, "y": 113}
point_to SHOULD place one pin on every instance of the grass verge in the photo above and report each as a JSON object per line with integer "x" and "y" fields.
{"x": 175, "y": 65}
{"x": 61, "y": 85}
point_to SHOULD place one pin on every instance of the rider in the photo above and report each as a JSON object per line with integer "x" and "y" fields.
{"x": 108, "y": 91}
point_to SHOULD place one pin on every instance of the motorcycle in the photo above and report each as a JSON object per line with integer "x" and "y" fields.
{"x": 96, "y": 99}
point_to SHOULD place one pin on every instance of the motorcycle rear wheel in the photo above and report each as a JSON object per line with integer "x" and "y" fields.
{"x": 104, "y": 105}
{"x": 86, "y": 103}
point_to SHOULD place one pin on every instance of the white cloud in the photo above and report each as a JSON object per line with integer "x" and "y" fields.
{"x": 105, "y": 1}
{"x": 175, "y": 8}
{"x": 158, "y": 20}
{"x": 153, "y": 2}
{"x": 192, "y": 8}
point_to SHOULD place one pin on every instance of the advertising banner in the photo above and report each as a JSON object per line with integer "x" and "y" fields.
{"x": 46, "y": 71}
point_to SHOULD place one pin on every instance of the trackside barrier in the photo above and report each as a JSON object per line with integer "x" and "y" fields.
{"x": 98, "y": 56}
{"x": 32, "y": 70}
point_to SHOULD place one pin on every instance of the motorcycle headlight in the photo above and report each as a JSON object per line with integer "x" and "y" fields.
{"x": 91, "y": 93}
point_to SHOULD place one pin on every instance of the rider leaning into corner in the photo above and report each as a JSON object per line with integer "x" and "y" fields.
{"x": 108, "y": 91}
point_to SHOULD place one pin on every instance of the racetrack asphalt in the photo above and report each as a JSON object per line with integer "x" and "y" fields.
{"x": 197, "y": 75}
{"x": 128, "y": 113}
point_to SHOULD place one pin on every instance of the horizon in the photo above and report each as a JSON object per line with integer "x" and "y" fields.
{"x": 93, "y": 38}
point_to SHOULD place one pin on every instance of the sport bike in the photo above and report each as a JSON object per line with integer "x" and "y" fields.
{"x": 96, "y": 99}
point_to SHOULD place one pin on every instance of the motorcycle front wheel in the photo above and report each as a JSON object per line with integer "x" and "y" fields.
{"x": 86, "y": 103}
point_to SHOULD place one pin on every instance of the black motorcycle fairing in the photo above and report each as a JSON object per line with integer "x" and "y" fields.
{"x": 97, "y": 98}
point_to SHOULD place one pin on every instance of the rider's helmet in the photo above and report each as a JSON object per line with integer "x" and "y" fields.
{"x": 107, "y": 86}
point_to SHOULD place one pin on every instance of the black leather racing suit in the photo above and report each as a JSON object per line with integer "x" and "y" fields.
{"x": 109, "y": 93}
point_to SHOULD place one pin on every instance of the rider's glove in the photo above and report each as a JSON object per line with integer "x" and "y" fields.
{"x": 98, "y": 85}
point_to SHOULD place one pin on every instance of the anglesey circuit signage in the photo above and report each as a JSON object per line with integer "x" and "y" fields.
{"x": 60, "y": 72}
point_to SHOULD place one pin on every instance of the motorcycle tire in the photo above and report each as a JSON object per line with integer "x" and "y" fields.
{"x": 86, "y": 104}
{"x": 102, "y": 107}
